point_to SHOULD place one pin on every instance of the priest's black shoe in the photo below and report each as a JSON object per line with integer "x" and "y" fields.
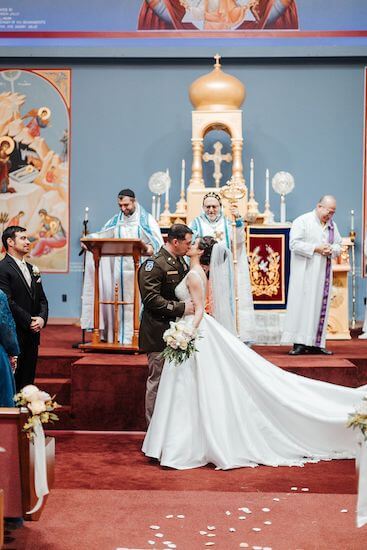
{"x": 298, "y": 349}
{"x": 320, "y": 351}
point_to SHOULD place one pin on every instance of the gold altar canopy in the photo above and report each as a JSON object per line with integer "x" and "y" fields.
{"x": 217, "y": 98}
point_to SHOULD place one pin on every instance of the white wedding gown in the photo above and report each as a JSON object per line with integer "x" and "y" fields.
{"x": 228, "y": 406}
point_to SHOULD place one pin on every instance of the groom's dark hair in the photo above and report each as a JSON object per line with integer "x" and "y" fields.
{"x": 178, "y": 231}
{"x": 10, "y": 232}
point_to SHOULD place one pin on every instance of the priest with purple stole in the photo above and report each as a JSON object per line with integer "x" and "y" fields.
{"x": 314, "y": 242}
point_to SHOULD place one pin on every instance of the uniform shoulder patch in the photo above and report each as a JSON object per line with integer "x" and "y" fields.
{"x": 149, "y": 264}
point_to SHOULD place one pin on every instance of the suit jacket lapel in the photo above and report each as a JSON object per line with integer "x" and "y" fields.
{"x": 33, "y": 282}
{"x": 14, "y": 266}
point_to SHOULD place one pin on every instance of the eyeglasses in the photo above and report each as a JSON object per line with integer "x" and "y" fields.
{"x": 211, "y": 206}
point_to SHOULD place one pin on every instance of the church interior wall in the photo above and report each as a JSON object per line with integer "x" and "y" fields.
{"x": 132, "y": 118}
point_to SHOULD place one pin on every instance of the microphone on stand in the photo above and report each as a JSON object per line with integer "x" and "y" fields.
{"x": 81, "y": 253}
{"x": 85, "y": 228}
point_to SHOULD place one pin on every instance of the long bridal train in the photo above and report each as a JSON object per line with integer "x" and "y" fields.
{"x": 228, "y": 406}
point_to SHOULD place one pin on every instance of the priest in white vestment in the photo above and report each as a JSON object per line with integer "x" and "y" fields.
{"x": 132, "y": 222}
{"x": 212, "y": 222}
{"x": 314, "y": 242}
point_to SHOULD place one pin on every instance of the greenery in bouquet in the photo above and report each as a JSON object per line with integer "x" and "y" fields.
{"x": 358, "y": 419}
{"x": 180, "y": 339}
{"x": 40, "y": 405}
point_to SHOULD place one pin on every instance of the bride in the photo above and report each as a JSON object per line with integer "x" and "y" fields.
{"x": 228, "y": 406}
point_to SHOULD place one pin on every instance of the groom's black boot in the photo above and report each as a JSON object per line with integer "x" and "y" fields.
{"x": 298, "y": 349}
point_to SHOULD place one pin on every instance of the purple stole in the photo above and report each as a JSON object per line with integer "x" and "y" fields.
{"x": 325, "y": 294}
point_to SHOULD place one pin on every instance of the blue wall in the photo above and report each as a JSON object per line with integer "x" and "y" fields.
{"x": 132, "y": 118}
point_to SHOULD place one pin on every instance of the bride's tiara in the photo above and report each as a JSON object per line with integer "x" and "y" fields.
{"x": 214, "y": 195}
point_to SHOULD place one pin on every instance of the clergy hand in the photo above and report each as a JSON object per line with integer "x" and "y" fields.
{"x": 323, "y": 249}
{"x": 37, "y": 324}
{"x": 149, "y": 250}
{"x": 235, "y": 212}
{"x": 189, "y": 308}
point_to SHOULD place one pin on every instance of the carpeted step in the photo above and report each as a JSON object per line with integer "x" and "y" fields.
{"x": 109, "y": 392}
{"x": 56, "y": 362}
{"x": 65, "y": 422}
{"x": 331, "y": 368}
{"x": 60, "y": 387}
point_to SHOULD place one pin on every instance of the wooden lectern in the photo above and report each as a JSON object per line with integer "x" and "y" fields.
{"x": 114, "y": 247}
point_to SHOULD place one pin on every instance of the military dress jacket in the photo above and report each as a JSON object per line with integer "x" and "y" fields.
{"x": 158, "y": 277}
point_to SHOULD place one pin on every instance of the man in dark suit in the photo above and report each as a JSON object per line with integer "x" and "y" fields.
{"x": 21, "y": 282}
{"x": 158, "y": 278}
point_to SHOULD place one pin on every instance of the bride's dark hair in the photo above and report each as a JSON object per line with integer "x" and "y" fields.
{"x": 206, "y": 244}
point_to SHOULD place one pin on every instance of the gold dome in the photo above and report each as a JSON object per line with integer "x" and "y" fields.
{"x": 217, "y": 91}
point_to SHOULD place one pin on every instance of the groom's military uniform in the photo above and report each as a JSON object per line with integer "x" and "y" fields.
{"x": 158, "y": 277}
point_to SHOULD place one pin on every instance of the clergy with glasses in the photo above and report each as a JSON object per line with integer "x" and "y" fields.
{"x": 213, "y": 223}
{"x": 314, "y": 242}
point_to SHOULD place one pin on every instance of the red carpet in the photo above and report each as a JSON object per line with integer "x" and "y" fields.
{"x": 117, "y": 462}
{"x": 107, "y": 520}
{"x": 108, "y": 495}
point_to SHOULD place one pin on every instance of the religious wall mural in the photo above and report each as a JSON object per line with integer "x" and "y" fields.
{"x": 34, "y": 160}
{"x": 220, "y": 15}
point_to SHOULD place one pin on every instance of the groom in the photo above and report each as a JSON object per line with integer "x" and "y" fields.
{"x": 158, "y": 278}
{"x": 22, "y": 284}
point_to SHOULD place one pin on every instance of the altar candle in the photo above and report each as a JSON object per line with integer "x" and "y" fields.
{"x": 167, "y": 190}
{"x": 251, "y": 175}
{"x": 267, "y": 185}
{"x": 352, "y": 220}
{"x": 183, "y": 177}
{"x": 154, "y": 207}
{"x": 86, "y": 213}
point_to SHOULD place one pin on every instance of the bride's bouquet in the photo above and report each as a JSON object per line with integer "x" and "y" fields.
{"x": 358, "y": 419}
{"x": 180, "y": 339}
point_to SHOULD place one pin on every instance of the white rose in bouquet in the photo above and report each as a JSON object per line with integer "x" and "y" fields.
{"x": 29, "y": 391}
{"x": 37, "y": 407}
{"x": 362, "y": 409}
{"x": 44, "y": 396}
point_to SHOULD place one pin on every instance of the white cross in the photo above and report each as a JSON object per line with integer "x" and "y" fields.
{"x": 217, "y": 159}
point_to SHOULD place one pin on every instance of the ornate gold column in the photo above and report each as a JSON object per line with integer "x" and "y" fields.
{"x": 196, "y": 180}
{"x": 237, "y": 167}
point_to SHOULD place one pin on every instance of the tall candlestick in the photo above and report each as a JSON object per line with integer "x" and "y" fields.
{"x": 86, "y": 213}
{"x": 183, "y": 177}
{"x": 158, "y": 208}
{"x": 154, "y": 207}
{"x": 267, "y": 185}
{"x": 167, "y": 190}
{"x": 352, "y": 220}
{"x": 252, "y": 176}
